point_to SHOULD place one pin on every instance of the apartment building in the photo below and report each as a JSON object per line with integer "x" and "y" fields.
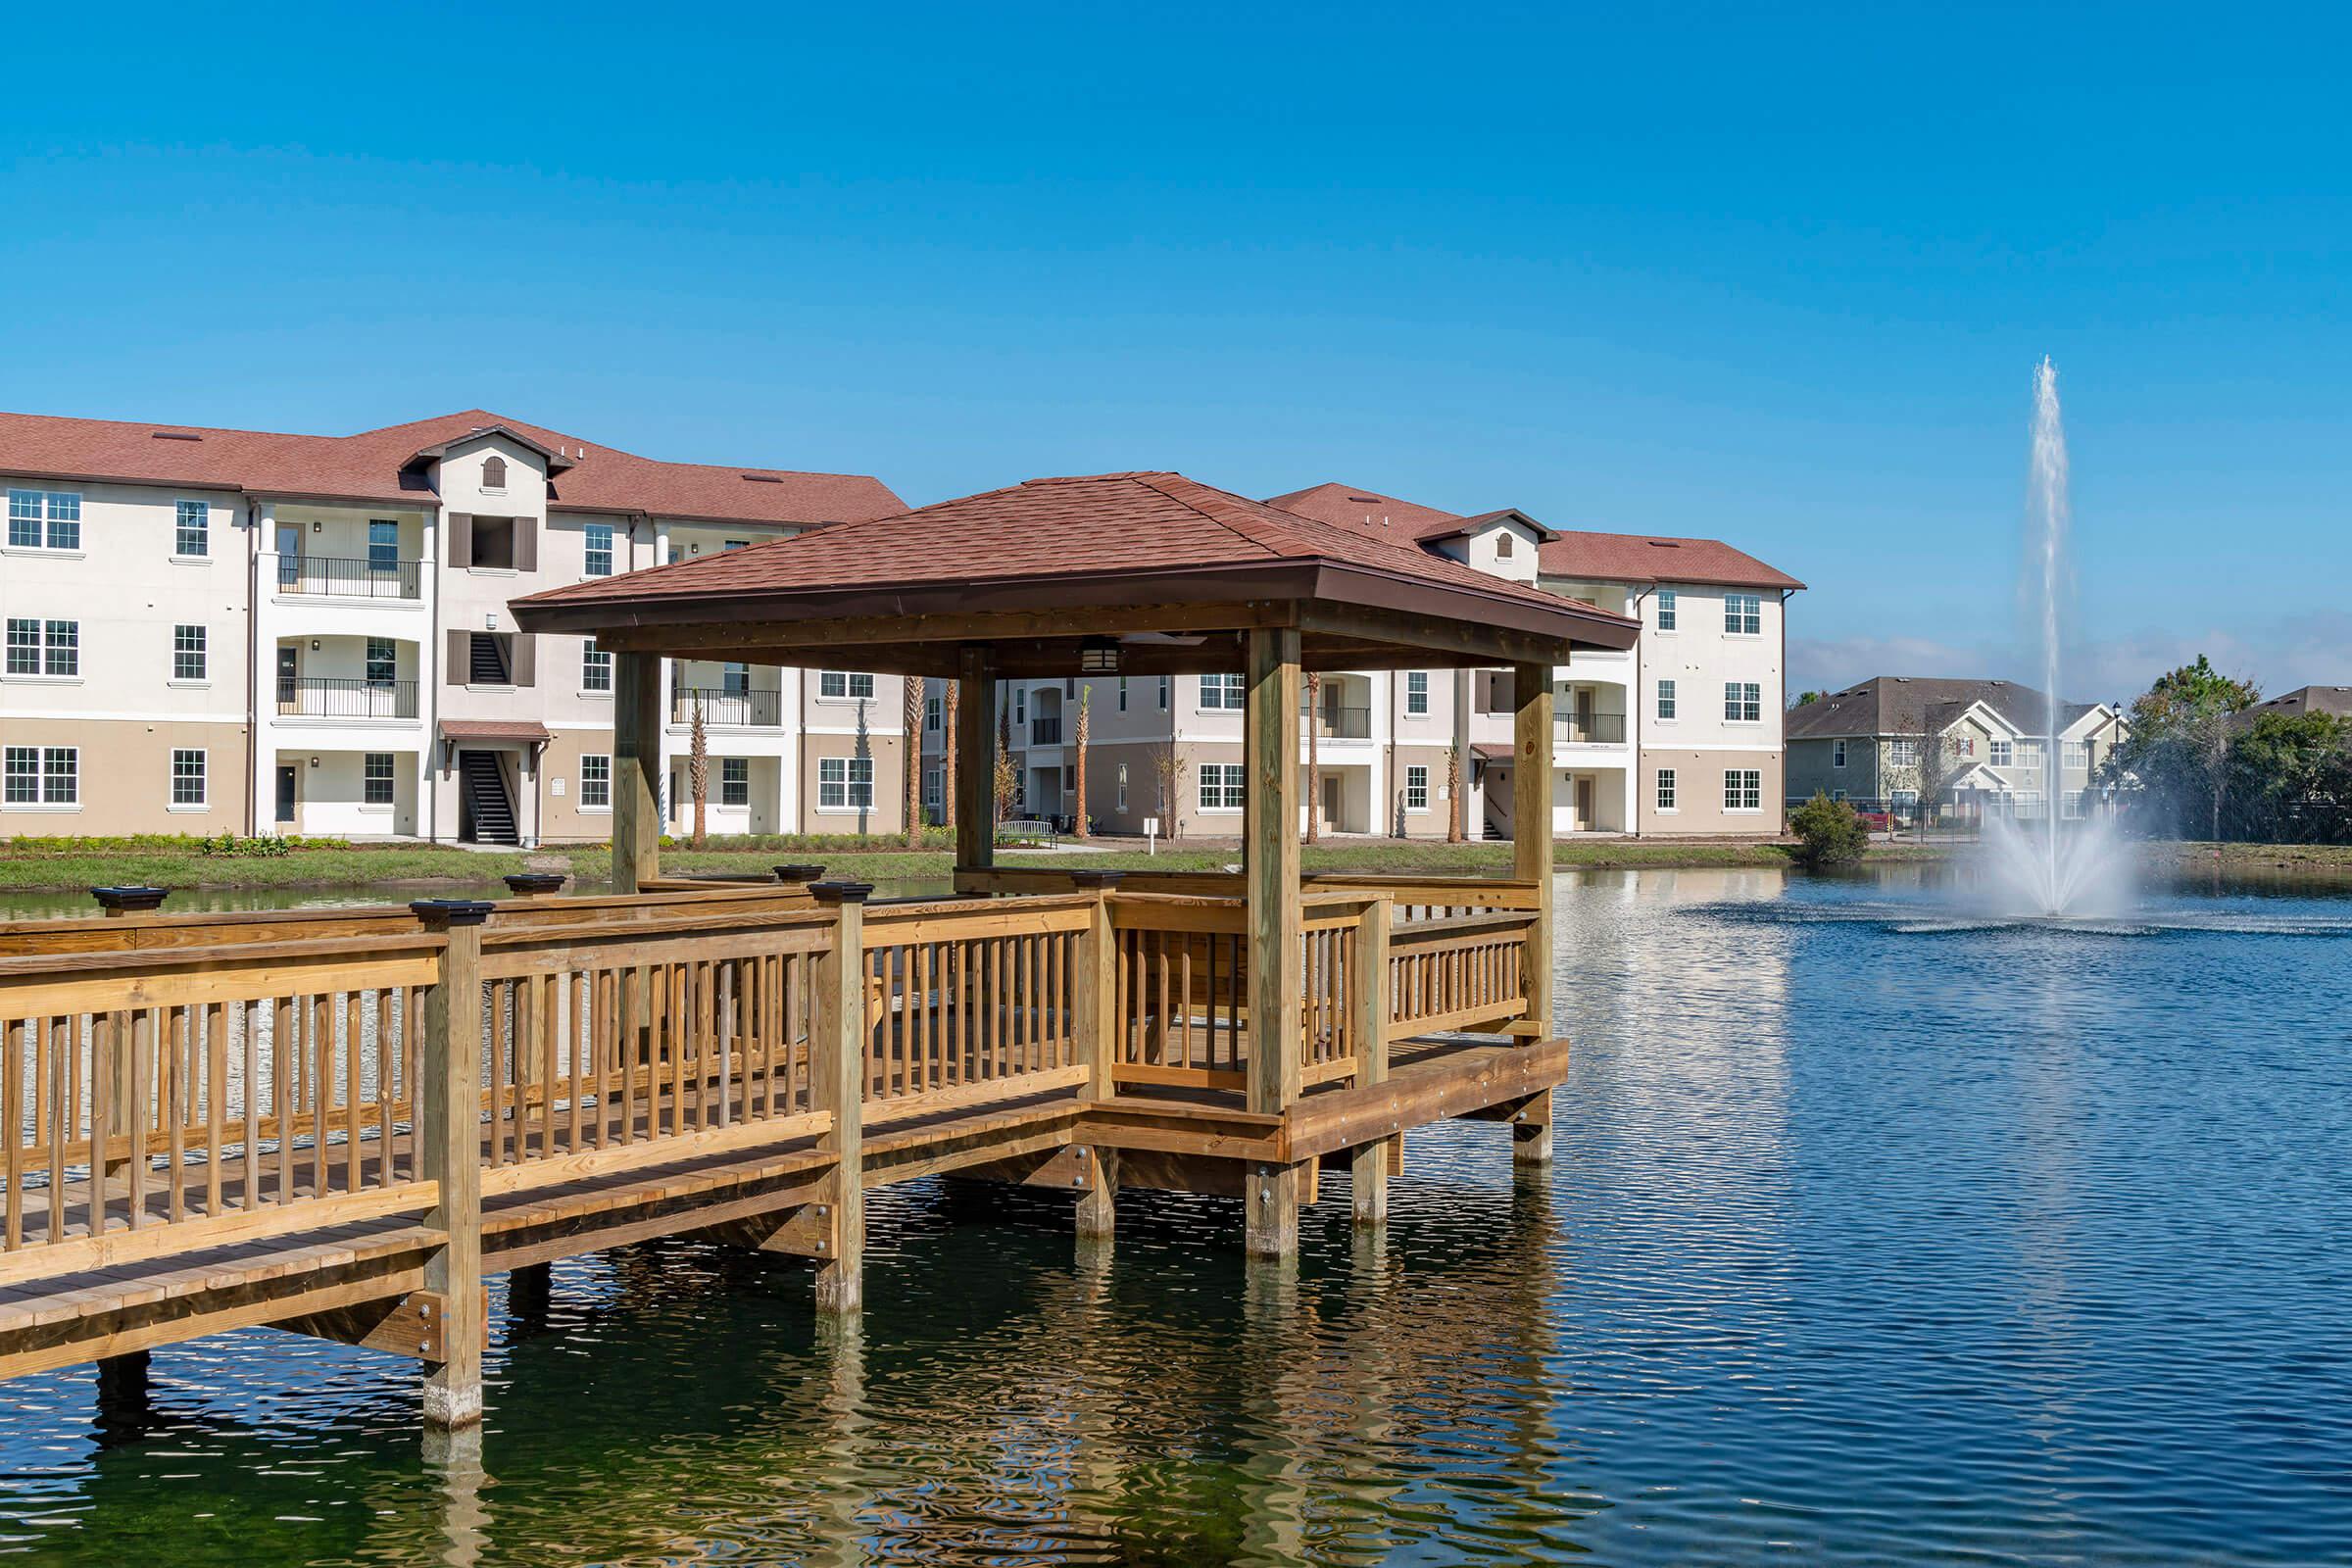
{"x": 237, "y": 631}
{"x": 1679, "y": 735}
{"x": 1964, "y": 746}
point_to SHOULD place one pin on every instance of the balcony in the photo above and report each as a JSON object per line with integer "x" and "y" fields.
{"x": 1340, "y": 723}
{"x": 341, "y": 577}
{"x": 1045, "y": 731}
{"x": 1592, "y": 729}
{"x": 720, "y": 705}
{"x": 330, "y": 697}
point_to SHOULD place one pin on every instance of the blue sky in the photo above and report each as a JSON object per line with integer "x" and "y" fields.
{"x": 1777, "y": 277}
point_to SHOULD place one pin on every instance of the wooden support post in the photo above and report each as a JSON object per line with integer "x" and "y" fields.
{"x": 449, "y": 1136}
{"x": 975, "y": 760}
{"x": 1531, "y": 1132}
{"x": 840, "y": 1040}
{"x": 112, "y": 1038}
{"x": 124, "y": 1409}
{"x": 1094, "y": 995}
{"x": 636, "y": 770}
{"x": 1531, "y": 830}
{"x": 1368, "y": 1027}
{"x": 1276, "y": 962}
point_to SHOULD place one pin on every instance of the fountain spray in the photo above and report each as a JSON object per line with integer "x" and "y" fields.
{"x": 2047, "y": 522}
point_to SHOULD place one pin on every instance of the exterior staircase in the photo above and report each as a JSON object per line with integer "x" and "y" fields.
{"x": 489, "y": 811}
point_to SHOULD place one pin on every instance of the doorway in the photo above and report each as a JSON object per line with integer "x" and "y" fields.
{"x": 288, "y": 788}
{"x": 1330, "y": 803}
{"x": 1584, "y": 805}
{"x": 289, "y": 555}
{"x": 289, "y": 676}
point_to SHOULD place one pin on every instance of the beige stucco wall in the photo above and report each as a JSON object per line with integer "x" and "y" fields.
{"x": 888, "y": 812}
{"x": 1698, "y": 794}
{"x": 125, "y": 777}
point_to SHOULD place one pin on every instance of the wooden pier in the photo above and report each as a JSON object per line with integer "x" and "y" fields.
{"x": 339, "y": 1122}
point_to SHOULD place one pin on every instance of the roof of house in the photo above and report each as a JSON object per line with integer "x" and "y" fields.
{"x": 383, "y": 465}
{"x": 2335, "y": 700}
{"x": 1896, "y": 705}
{"x": 1560, "y": 552}
{"x": 1143, "y": 537}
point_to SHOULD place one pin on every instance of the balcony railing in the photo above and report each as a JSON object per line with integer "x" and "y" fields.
{"x": 345, "y": 578}
{"x": 1045, "y": 731}
{"x": 723, "y": 705}
{"x": 1340, "y": 723}
{"x": 330, "y": 697}
{"x": 1593, "y": 729}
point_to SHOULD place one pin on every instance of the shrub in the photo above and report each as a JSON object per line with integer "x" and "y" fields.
{"x": 1828, "y": 832}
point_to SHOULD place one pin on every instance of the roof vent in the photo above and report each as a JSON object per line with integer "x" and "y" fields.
{"x": 1666, "y": 544}
{"x": 174, "y": 435}
{"x": 763, "y": 478}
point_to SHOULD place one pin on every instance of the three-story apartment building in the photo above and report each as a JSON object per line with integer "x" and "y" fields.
{"x": 237, "y": 631}
{"x": 1679, "y": 735}
{"x": 1899, "y": 741}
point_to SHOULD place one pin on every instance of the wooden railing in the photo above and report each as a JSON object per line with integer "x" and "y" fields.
{"x": 1412, "y": 897}
{"x": 1462, "y": 972}
{"x": 973, "y": 1000}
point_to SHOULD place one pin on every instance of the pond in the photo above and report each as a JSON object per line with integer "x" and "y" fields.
{"x": 1876, "y": 1236}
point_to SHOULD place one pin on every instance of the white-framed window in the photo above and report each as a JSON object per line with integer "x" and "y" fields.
{"x": 1836, "y": 754}
{"x": 377, "y": 781}
{"x": 188, "y": 660}
{"x": 44, "y": 647}
{"x": 844, "y": 782}
{"x": 1416, "y": 693}
{"x": 1744, "y": 789}
{"x": 41, "y": 775}
{"x": 844, "y": 683}
{"x": 1222, "y": 785}
{"x": 44, "y": 519}
{"x": 1122, "y": 694}
{"x": 2001, "y": 753}
{"x": 383, "y": 661}
{"x": 596, "y": 667}
{"x": 2076, "y": 754}
{"x": 1743, "y": 614}
{"x": 1020, "y": 707}
{"x": 1836, "y": 795}
{"x": 1221, "y": 693}
{"x": 1903, "y": 800}
{"x": 1965, "y": 745}
{"x": 734, "y": 781}
{"x": 1743, "y": 702}
{"x": 192, "y": 528}
{"x": 934, "y": 786}
{"x": 734, "y": 544}
{"x": 598, "y": 537}
{"x": 1416, "y": 787}
{"x": 1902, "y": 754}
{"x": 735, "y": 679}
{"x": 1666, "y": 790}
{"x": 1666, "y": 699}
{"x": 2029, "y": 753}
{"x": 1166, "y": 686}
{"x": 383, "y": 545}
{"x": 933, "y": 710}
{"x": 2070, "y": 804}
{"x": 187, "y": 776}
{"x": 1666, "y": 609}
{"x": 596, "y": 781}
{"x": 1122, "y": 786}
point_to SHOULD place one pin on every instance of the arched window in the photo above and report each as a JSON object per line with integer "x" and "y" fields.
{"x": 1502, "y": 544}
{"x": 494, "y": 473}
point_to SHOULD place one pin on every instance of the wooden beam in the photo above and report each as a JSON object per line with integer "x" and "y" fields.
{"x": 636, "y": 770}
{"x": 448, "y": 1156}
{"x": 1276, "y": 967}
{"x": 838, "y": 1041}
{"x": 736, "y": 639}
{"x": 1489, "y": 645}
{"x": 410, "y": 1325}
{"x": 975, "y": 762}
{"x": 1531, "y": 817}
{"x": 1368, "y": 1027}
{"x": 1094, "y": 996}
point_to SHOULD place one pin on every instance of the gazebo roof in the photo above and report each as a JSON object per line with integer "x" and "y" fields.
{"x": 1173, "y": 566}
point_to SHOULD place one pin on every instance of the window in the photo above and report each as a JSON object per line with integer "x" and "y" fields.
{"x": 844, "y": 782}
{"x": 1743, "y": 702}
{"x": 2076, "y": 754}
{"x": 1666, "y": 789}
{"x": 1069, "y": 776}
{"x": 1502, "y": 545}
{"x": 1965, "y": 745}
{"x": 1416, "y": 693}
{"x": 2070, "y": 804}
{"x": 187, "y": 777}
{"x": 1836, "y": 754}
{"x": 1122, "y": 694}
{"x": 1221, "y": 783}
{"x": 1744, "y": 789}
{"x": 375, "y": 778}
{"x": 44, "y": 519}
{"x": 1221, "y": 692}
{"x": 734, "y": 781}
{"x": 598, "y": 536}
{"x": 736, "y": 680}
{"x": 2001, "y": 754}
{"x": 383, "y": 661}
{"x": 494, "y": 475}
{"x": 734, "y": 544}
{"x": 1743, "y": 614}
{"x": 1666, "y": 699}
{"x": 193, "y": 530}
{"x": 1416, "y": 788}
{"x": 42, "y": 775}
{"x": 1902, "y": 754}
{"x": 1166, "y": 682}
{"x": 934, "y": 787}
{"x": 44, "y": 647}
{"x": 1666, "y": 608}
{"x": 1020, "y": 705}
{"x": 187, "y": 652}
{"x": 493, "y": 543}
{"x": 1836, "y": 795}
{"x": 596, "y": 668}
{"x": 931, "y": 711}
{"x": 383, "y": 545}
{"x": 596, "y": 781}
{"x": 2029, "y": 753}
{"x": 841, "y": 683}
{"x": 1122, "y": 786}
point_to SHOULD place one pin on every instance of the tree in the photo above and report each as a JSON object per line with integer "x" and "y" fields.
{"x": 946, "y": 752}
{"x": 2290, "y": 780}
{"x": 1314, "y": 765}
{"x": 1827, "y": 833}
{"x": 697, "y": 771}
{"x": 1008, "y": 772}
{"x": 1456, "y": 807}
{"x": 1802, "y": 697}
{"x": 1933, "y": 766}
{"x": 1078, "y": 739}
{"x": 1167, "y": 770}
{"x": 912, "y": 713}
{"x": 2177, "y": 753}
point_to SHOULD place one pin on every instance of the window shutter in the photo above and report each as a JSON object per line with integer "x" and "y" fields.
{"x": 460, "y": 660}
{"x": 526, "y": 660}
{"x": 461, "y": 539}
{"x": 526, "y": 544}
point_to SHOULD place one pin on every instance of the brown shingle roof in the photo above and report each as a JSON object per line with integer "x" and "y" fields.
{"x": 377, "y": 465}
{"x": 1895, "y": 704}
{"x": 2335, "y": 700}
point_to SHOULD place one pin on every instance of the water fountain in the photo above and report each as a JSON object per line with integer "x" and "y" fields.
{"x": 2053, "y": 868}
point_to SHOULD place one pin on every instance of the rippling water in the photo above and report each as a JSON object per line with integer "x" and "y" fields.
{"x": 1875, "y": 1237}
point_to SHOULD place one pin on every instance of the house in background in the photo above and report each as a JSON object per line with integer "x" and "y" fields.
{"x": 2335, "y": 701}
{"x": 1872, "y": 745}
